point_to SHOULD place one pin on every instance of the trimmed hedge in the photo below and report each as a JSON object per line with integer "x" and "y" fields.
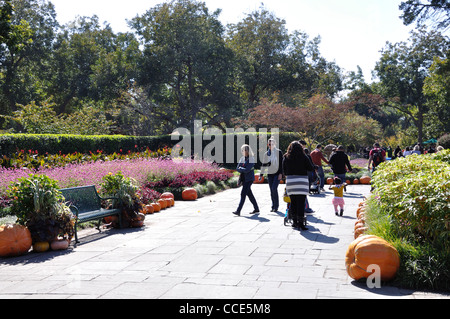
{"x": 67, "y": 144}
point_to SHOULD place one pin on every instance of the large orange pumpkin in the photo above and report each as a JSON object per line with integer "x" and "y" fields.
{"x": 189, "y": 194}
{"x": 369, "y": 250}
{"x": 365, "y": 180}
{"x": 15, "y": 240}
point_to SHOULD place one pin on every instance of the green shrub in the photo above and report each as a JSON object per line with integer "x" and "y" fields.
{"x": 411, "y": 209}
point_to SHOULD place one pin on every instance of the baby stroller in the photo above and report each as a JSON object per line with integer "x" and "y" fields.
{"x": 288, "y": 216}
{"x": 314, "y": 185}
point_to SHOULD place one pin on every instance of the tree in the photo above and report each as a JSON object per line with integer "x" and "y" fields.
{"x": 402, "y": 70}
{"x": 185, "y": 68}
{"x": 436, "y": 11}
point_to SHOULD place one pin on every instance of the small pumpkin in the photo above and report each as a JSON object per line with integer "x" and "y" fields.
{"x": 348, "y": 182}
{"x": 371, "y": 250}
{"x": 189, "y": 194}
{"x": 59, "y": 244}
{"x": 156, "y": 207}
{"x": 41, "y": 246}
{"x": 15, "y": 240}
{"x": 148, "y": 209}
{"x": 330, "y": 181}
{"x": 258, "y": 180}
{"x": 360, "y": 231}
{"x": 163, "y": 203}
{"x": 356, "y": 181}
{"x": 167, "y": 195}
{"x": 365, "y": 180}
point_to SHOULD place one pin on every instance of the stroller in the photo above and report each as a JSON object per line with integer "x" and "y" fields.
{"x": 288, "y": 216}
{"x": 314, "y": 183}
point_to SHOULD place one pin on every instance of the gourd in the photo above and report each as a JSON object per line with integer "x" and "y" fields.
{"x": 15, "y": 240}
{"x": 41, "y": 246}
{"x": 189, "y": 194}
{"x": 369, "y": 250}
{"x": 59, "y": 244}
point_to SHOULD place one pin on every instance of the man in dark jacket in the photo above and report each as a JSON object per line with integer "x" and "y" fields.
{"x": 340, "y": 163}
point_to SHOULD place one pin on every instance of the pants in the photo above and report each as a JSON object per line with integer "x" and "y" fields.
{"x": 247, "y": 191}
{"x": 338, "y": 201}
{"x": 321, "y": 176}
{"x": 273, "y": 184}
{"x": 341, "y": 176}
{"x": 297, "y": 208}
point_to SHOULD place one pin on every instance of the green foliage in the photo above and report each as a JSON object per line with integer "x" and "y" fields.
{"x": 38, "y": 204}
{"x": 412, "y": 210}
{"x": 121, "y": 187}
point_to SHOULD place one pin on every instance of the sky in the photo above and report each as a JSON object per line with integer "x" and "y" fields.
{"x": 352, "y": 31}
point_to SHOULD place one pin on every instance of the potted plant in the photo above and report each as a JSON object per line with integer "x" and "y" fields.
{"x": 39, "y": 205}
{"x": 126, "y": 189}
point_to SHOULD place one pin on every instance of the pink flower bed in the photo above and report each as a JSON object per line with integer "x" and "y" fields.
{"x": 143, "y": 170}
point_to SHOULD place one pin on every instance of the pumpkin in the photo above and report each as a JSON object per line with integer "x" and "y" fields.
{"x": 41, "y": 246}
{"x": 257, "y": 180}
{"x": 189, "y": 194}
{"x": 15, "y": 240}
{"x": 137, "y": 223}
{"x": 348, "y": 182}
{"x": 167, "y": 195}
{"x": 360, "y": 231}
{"x": 371, "y": 250}
{"x": 360, "y": 210}
{"x": 163, "y": 203}
{"x": 356, "y": 181}
{"x": 148, "y": 209}
{"x": 365, "y": 180}
{"x": 172, "y": 202}
{"x": 169, "y": 202}
{"x": 156, "y": 207}
{"x": 329, "y": 181}
{"x": 59, "y": 244}
{"x": 363, "y": 203}
{"x": 111, "y": 219}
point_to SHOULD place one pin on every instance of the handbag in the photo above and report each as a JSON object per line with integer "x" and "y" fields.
{"x": 241, "y": 180}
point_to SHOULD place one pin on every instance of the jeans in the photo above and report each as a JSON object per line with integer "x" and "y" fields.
{"x": 321, "y": 176}
{"x": 341, "y": 176}
{"x": 247, "y": 191}
{"x": 273, "y": 184}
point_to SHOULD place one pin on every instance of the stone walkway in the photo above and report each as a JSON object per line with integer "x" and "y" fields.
{"x": 200, "y": 250}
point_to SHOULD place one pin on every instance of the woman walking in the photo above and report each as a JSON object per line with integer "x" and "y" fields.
{"x": 246, "y": 168}
{"x": 273, "y": 159}
{"x": 295, "y": 167}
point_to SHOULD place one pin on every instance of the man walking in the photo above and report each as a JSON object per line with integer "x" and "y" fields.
{"x": 340, "y": 163}
{"x": 317, "y": 158}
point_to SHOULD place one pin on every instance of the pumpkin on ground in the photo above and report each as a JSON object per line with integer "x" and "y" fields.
{"x": 356, "y": 181}
{"x": 148, "y": 209}
{"x": 189, "y": 194}
{"x": 257, "y": 180}
{"x": 371, "y": 250}
{"x": 163, "y": 203}
{"x": 156, "y": 207}
{"x": 365, "y": 180}
{"x": 41, "y": 246}
{"x": 330, "y": 181}
{"x": 60, "y": 244}
{"x": 15, "y": 240}
{"x": 167, "y": 195}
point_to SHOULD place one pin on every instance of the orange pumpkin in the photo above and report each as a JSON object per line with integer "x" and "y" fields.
{"x": 172, "y": 202}
{"x": 360, "y": 231}
{"x": 189, "y": 194}
{"x": 15, "y": 240}
{"x": 365, "y": 180}
{"x": 257, "y": 180}
{"x": 41, "y": 246}
{"x": 167, "y": 195}
{"x": 360, "y": 210}
{"x": 329, "y": 181}
{"x": 156, "y": 207}
{"x": 111, "y": 219}
{"x": 163, "y": 203}
{"x": 356, "y": 181}
{"x": 348, "y": 182}
{"x": 148, "y": 209}
{"x": 371, "y": 250}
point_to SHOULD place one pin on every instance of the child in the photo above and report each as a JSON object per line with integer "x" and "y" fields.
{"x": 338, "y": 199}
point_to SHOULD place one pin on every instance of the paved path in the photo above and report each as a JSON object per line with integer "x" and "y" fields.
{"x": 200, "y": 250}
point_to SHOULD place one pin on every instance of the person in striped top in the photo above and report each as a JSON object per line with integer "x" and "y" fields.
{"x": 295, "y": 167}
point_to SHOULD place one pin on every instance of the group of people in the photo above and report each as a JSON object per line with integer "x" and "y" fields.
{"x": 295, "y": 165}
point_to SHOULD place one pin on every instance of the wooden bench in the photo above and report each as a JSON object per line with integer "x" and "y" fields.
{"x": 85, "y": 203}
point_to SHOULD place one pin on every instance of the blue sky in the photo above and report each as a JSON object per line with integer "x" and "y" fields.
{"x": 352, "y": 31}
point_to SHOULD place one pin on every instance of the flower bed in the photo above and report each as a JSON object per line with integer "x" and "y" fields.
{"x": 149, "y": 173}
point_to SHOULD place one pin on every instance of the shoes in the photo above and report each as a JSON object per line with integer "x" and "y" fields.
{"x": 254, "y": 212}
{"x": 237, "y": 213}
{"x": 337, "y": 214}
{"x": 342, "y": 212}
